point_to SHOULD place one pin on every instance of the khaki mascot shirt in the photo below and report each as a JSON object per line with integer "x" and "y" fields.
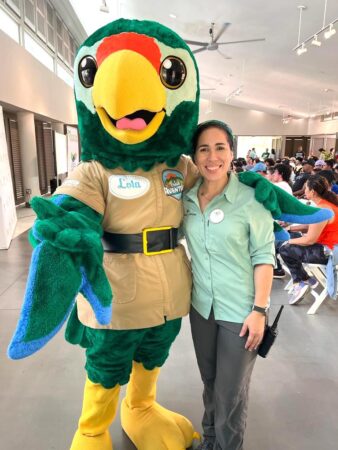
{"x": 146, "y": 289}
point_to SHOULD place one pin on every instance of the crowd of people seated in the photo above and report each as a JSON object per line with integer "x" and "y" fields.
{"x": 314, "y": 179}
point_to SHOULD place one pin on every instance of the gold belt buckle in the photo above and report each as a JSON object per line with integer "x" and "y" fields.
{"x": 145, "y": 241}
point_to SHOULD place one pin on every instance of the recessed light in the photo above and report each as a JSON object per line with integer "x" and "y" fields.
{"x": 173, "y": 16}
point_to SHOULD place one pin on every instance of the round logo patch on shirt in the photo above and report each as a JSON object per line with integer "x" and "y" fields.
{"x": 173, "y": 182}
{"x": 128, "y": 187}
{"x": 216, "y": 216}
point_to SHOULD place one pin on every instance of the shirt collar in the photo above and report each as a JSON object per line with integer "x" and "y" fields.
{"x": 229, "y": 192}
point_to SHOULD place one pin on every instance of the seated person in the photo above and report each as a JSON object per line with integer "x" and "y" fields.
{"x": 330, "y": 177}
{"x": 315, "y": 246}
{"x": 259, "y": 167}
{"x": 329, "y": 163}
{"x": 319, "y": 165}
{"x": 269, "y": 162}
{"x": 298, "y": 187}
{"x": 281, "y": 177}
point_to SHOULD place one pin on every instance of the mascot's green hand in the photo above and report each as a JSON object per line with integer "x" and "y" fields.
{"x": 282, "y": 205}
{"x": 67, "y": 259}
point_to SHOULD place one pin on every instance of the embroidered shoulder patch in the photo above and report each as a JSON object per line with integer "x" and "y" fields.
{"x": 173, "y": 182}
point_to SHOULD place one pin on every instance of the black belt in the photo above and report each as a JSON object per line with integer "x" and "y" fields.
{"x": 152, "y": 241}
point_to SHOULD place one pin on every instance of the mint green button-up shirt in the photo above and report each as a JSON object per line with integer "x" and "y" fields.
{"x": 226, "y": 242}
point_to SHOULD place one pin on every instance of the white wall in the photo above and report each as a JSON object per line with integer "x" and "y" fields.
{"x": 248, "y": 122}
{"x": 26, "y": 84}
{"x": 7, "y": 202}
{"x": 318, "y": 127}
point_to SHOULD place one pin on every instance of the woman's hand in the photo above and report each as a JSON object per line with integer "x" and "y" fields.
{"x": 254, "y": 324}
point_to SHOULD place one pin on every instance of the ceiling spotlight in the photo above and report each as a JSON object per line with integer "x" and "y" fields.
{"x": 173, "y": 16}
{"x": 301, "y": 50}
{"x": 315, "y": 41}
{"x": 104, "y": 7}
{"x": 330, "y": 32}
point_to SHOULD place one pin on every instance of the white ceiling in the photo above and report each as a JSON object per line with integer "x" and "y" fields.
{"x": 274, "y": 78}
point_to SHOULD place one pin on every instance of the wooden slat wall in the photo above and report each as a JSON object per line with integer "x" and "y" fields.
{"x": 43, "y": 181}
{"x": 14, "y": 152}
{"x": 49, "y": 152}
{"x": 45, "y": 152}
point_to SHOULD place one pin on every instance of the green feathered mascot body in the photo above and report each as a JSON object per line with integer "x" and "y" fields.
{"x": 106, "y": 246}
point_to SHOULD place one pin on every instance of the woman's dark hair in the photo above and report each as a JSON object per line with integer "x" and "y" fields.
{"x": 329, "y": 175}
{"x": 212, "y": 124}
{"x": 321, "y": 186}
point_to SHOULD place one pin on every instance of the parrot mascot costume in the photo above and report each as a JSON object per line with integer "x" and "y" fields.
{"x": 106, "y": 251}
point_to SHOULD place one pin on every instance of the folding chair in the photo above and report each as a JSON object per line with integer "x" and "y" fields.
{"x": 319, "y": 272}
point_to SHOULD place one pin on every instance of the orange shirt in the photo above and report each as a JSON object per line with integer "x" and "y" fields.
{"x": 329, "y": 235}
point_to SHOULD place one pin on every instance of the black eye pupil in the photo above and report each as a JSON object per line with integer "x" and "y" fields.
{"x": 87, "y": 71}
{"x": 173, "y": 72}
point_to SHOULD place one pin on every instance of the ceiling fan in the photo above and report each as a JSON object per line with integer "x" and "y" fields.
{"x": 214, "y": 44}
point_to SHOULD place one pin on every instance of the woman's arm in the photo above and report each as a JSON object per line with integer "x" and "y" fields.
{"x": 255, "y": 322}
{"x": 311, "y": 236}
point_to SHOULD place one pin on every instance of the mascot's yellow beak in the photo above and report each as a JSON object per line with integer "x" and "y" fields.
{"x": 129, "y": 97}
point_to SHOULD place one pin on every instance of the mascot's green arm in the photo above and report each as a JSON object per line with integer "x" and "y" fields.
{"x": 282, "y": 205}
{"x": 67, "y": 259}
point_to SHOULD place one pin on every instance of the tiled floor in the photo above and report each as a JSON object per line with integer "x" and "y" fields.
{"x": 294, "y": 392}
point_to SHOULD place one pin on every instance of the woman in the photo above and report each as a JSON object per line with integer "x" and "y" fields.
{"x": 315, "y": 245}
{"x": 230, "y": 238}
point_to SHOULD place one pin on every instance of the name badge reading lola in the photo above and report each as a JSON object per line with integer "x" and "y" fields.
{"x": 216, "y": 216}
{"x": 128, "y": 186}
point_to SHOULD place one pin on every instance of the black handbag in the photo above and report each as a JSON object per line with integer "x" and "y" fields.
{"x": 270, "y": 335}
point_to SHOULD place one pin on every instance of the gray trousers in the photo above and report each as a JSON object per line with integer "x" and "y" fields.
{"x": 226, "y": 369}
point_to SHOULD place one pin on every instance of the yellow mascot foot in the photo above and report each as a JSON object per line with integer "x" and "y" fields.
{"x": 101, "y": 442}
{"x": 156, "y": 428}
{"x": 98, "y": 412}
{"x": 149, "y": 425}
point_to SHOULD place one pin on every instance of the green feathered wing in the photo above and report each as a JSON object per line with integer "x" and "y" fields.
{"x": 67, "y": 259}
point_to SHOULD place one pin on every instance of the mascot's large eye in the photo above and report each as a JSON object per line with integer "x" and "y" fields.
{"x": 173, "y": 72}
{"x": 87, "y": 70}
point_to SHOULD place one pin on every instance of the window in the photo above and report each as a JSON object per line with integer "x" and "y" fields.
{"x": 50, "y": 27}
{"x": 9, "y": 26}
{"x": 30, "y": 13}
{"x": 41, "y": 19}
{"x": 14, "y": 5}
{"x": 59, "y": 37}
{"x": 39, "y": 52}
{"x": 72, "y": 51}
{"x": 66, "y": 45}
{"x": 65, "y": 75}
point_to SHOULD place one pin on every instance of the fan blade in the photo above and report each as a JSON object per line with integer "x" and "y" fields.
{"x": 223, "y": 55}
{"x": 221, "y": 31}
{"x": 240, "y": 42}
{"x": 203, "y": 44}
{"x": 199, "y": 50}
